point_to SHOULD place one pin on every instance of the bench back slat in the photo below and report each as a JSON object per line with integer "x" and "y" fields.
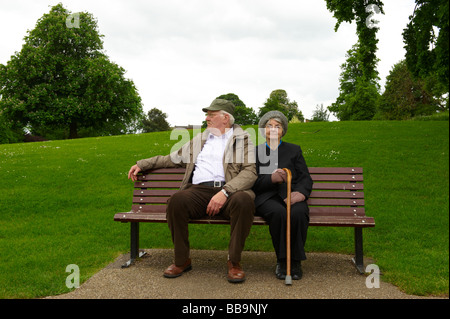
{"x": 160, "y": 177}
{"x": 157, "y": 184}
{"x": 325, "y": 194}
{"x": 155, "y": 192}
{"x": 335, "y": 170}
{"x": 336, "y": 178}
{"x": 341, "y": 211}
{"x": 338, "y": 186}
{"x": 335, "y": 202}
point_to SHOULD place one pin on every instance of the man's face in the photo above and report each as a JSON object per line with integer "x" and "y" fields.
{"x": 216, "y": 120}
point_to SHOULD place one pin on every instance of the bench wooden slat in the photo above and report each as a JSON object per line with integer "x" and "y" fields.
{"x": 332, "y": 211}
{"x": 157, "y": 184}
{"x": 340, "y": 221}
{"x": 160, "y": 177}
{"x": 150, "y": 200}
{"x": 335, "y": 170}
{"x": 323, "y": 194}
{"x": 155, "y": 192}
{"x": 337, "y": 178}
{"x": 335, "y": 202}
{"x": 160, "y": 216}
{"x": 338, "y": 186}
{"x": 316, "y": 185}
{"x": 148, "y": 208}
{"x": 311, "y": 201}
{"x": 314, "y": 194}
{"x": 313, "y": 210}
{"x": 167, "y": 171}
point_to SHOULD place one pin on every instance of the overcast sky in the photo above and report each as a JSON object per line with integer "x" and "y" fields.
{"x": 183, "y": 54}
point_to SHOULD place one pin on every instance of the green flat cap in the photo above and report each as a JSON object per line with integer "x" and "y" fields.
{"x": 220, "y": 105}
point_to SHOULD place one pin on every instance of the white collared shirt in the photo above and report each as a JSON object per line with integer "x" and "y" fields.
{"x": 209, "y": 164}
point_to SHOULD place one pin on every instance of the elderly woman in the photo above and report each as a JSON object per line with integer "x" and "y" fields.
{"x": 271, "y": 191}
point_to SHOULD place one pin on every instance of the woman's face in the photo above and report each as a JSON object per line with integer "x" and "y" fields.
{"x": 274, "y": 130}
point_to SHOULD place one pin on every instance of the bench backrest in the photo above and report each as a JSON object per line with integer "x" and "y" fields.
{"x": 337, "y": 191}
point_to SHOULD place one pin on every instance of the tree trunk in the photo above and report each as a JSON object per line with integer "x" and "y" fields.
{"x": 73, "y": 130}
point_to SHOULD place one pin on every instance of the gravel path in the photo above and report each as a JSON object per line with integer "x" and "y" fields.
{"x": 325, "y": 276}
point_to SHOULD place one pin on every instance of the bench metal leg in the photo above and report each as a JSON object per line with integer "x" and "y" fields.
{"x": 358, "y": 260}
{"x": 134, "y": 244}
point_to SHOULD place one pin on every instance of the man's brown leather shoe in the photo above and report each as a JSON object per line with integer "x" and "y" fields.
{"x": 235, "y": 272}
{"x": 174, "y": 271}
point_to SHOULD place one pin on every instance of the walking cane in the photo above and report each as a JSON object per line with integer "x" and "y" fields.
{"x": 288, "y": 280}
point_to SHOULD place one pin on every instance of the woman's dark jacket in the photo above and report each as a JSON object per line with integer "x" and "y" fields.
{"x": 289, "y": 156}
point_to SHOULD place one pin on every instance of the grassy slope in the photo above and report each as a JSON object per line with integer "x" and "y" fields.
{"x": 58, "y": 199}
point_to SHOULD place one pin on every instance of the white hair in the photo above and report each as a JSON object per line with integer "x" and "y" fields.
{"x": 231, "y": 122}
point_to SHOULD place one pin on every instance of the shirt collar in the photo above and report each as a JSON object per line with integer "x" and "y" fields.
{"x": 227, "y": 135}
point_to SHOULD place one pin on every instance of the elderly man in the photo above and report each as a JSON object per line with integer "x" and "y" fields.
{"x": 220, "y": 172}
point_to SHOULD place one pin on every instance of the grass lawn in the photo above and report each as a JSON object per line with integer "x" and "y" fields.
{"x": 58, "y": 199}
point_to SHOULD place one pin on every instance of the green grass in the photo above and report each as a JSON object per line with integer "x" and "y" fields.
{"x": 58, "y": 199}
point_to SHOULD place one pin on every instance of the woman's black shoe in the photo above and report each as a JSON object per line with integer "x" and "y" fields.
{"x": 296, "y": 270}
{"x": 280, "y": 270}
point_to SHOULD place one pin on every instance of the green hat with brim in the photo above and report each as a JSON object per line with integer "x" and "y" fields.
{"x": 220, "y": 105}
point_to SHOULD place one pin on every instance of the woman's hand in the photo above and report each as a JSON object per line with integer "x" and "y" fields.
{"x": 279, "y": 176}
{"x": 296, "y": 197}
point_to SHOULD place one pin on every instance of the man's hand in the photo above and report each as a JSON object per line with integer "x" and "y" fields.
{"x": 216, "y": 203}
{"x": 132, "y": 174}
{"x": 296, "y": 197}
{"x": 278, "y": 176}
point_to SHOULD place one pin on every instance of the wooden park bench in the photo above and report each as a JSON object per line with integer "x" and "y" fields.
{"x": 337, "y": 200}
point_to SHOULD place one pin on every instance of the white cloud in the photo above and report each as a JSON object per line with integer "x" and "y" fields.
{"x": 183, "y": 54}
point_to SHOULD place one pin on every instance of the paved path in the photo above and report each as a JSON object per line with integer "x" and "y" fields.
{"x": 326, "y": 276}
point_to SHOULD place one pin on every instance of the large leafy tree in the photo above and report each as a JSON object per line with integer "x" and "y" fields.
{"x": 405, "y": 96}
{"x": 155, "y": 121}
{"x": 359, "y": 89}
{"x": 61, "y": 77}
{"x": 243, "y": 115}
{"x": 426, "y": 39}
{"x": 279, "y": 101}
{"x": 358, "y": 95}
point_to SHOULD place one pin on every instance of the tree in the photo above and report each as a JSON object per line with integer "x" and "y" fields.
{"x": 62, "y": 78}
{"x": 9, "y": 134}
{"x": 404, "y": 96}
{"x": 279, "y": 101}
{"x": 243, "y": 115}
{"x": 320, "y": 114}
{"x": 359, "y": 89}
{"x": 155, "y": 121}
{"x": 426, "y": 39}
{"x": 358, "y": 94}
